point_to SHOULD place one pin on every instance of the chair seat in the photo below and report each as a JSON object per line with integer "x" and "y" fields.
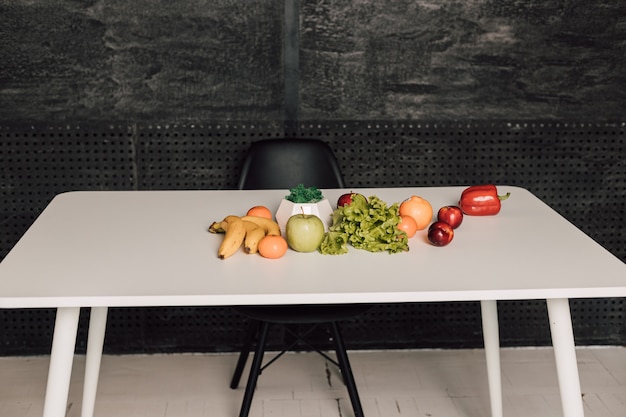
{"x": 293, "y": 314}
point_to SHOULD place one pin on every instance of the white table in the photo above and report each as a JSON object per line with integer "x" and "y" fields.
{"x": 151, "y": 248}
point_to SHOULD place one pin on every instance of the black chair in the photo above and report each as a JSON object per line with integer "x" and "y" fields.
{"x": 283, "y": 164}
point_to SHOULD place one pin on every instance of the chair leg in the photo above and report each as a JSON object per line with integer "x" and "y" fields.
{"x": 346, "y": 370}
{"x": 245, "y": 352}
{"x": 255, "y": 370}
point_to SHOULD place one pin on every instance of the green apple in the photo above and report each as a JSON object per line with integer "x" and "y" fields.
{"x": 305, "y": 232}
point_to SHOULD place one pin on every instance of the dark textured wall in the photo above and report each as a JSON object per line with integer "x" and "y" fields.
{"x": 460, "y": 60}
{"x": 66, "y": 61}
{"x": 160, "y": 61}
{"x": 151, "y": 94}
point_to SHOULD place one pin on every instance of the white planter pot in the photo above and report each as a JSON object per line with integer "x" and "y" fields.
{"x": 321, "y": 209}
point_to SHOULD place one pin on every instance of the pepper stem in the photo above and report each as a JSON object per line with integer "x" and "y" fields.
{"x": 504, "y": 197}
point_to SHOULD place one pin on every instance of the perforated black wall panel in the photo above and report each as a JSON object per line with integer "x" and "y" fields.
{"x": 577, "y": 168}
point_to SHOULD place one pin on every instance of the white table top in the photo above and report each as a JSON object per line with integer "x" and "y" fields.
{"x": 152, "y": 248}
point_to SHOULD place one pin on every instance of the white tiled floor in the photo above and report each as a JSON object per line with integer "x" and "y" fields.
{"x": 424, "y": 383}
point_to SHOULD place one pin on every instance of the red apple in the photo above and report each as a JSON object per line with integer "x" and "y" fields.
{"x": 346, "y": 199}
{"x": 440, "y": 233}
{"x": 452, "y": 215}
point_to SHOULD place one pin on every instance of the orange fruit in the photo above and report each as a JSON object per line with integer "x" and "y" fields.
{"x": 418, "y": 208}
{"x": 272, "y": 246}
{"x": 260, "y": 211}
{"x": 408, "y": 225}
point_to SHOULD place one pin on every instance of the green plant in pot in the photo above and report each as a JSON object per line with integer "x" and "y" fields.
{"x": 304, "y": 201}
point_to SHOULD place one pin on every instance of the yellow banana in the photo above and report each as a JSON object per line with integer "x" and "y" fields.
{"x": 254, "y": 234}
{"x": 269, "y": 226}
{"x": 235, "y": 234}
{"x": 218, "y": 227}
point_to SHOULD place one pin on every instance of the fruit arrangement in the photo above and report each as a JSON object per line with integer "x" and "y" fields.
{"x": 364, "y": 223}
{"x": 477, "y": 200}
{"x": 413, "y": 214}
{"x": 249, "y": 231}
{"x": 258, "y": 232}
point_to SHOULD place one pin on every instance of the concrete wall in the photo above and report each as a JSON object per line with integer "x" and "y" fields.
{"x": 193, "y": 60}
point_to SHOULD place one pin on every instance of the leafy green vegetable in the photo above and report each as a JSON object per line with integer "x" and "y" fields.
{"x": 334, "y": 243}
{"x": 302, "y": 195}
{"x": 368, "y": 225}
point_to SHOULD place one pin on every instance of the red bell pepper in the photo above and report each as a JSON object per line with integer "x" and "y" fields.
{"x": 481, "y": 200}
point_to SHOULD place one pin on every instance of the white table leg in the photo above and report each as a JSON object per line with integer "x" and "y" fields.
{"x": 95, "y": 342}
{"x": 491, "y": 336}
{"x": 61, "y": 359}
{"x": 565, "y": 356}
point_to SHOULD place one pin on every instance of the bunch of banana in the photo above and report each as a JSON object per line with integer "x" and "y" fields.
{"x": 246, "y": 230}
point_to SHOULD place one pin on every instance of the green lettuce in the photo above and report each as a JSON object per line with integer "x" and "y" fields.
{"x": 365, "y": 224}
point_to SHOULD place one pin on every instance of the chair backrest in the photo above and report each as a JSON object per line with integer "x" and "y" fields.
{"x": 285, "y": 163}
